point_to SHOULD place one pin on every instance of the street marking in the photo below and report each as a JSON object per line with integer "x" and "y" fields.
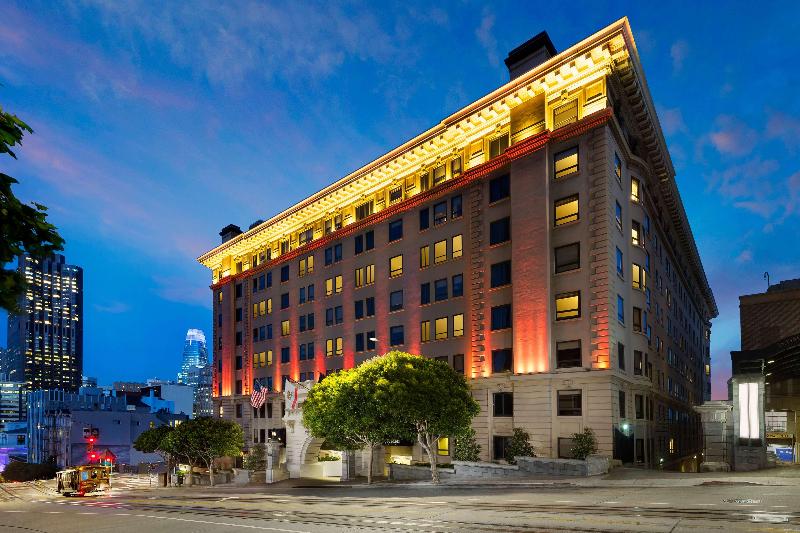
{"x": 705, "y": 504}
{"x": 613, "y": 503}
{"x": 13, "y": 511}
{"x": 87, "y": 513}
{"x": 658, "y": 503}
{"x": 52, "y": 512}
{"x": 121, "y": 514}
{"x": 565, "y": 501}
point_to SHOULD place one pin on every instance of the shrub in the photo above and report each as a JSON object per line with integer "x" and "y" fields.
{"x": 18, "y": 471}
{"x": 257, "y": 458}
{"x": 324, "y": 458}
{"x": 584, "y": 444}
{"x": 467, "y": 447}
{"x": 519, "y": 446}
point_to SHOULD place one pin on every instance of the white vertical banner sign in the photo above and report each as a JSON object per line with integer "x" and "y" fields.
{"x": 749, "y": 427}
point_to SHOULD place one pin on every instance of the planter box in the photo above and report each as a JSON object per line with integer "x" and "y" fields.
{"x": 332, "y": 468}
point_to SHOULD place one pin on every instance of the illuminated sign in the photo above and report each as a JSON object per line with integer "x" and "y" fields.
{"x": 749, "y": 427}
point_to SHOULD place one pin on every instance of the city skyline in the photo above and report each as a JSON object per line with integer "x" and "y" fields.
{"x": 723, "y": 142}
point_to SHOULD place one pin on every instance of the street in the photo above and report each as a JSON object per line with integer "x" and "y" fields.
{"x": 636, "y": 504}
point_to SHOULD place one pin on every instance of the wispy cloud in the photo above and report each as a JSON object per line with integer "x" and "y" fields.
{"x": 785, "y": 128}
{"x": 679, "y": 51}
{"x": 733, "y": 137}
{"x": 672, "y": 120}
{"x": 746, "y": 256}
{"x": 113, "y": 308}
{"x": 182, "y": 290}
{"x": 485, "y": 35}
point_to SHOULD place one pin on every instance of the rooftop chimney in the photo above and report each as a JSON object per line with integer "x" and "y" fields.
{"x": 229, "y": 232}
{"x": 529, "y": 55}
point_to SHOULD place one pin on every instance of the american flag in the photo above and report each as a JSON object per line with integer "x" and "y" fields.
{"x": 258, "y": 397}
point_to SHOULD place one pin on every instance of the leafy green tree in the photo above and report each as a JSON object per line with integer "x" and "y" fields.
{"x": 467, "y": 447}
{"x": 346, "y": 410}
{"x": 23, "y": 228}
{"x": 256, "y": 460}
{"x": 201, "y": 440}
{"x": 584, "y": 444}
{"x": 519, "y": 446}
{"x": 427, "y": 396}
{"x": 154, "y": 440}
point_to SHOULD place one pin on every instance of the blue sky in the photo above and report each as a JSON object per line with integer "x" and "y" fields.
{"x": 158, "y": 123}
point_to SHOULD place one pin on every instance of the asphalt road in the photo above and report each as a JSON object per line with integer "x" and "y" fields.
{"x": 628, "y": 506}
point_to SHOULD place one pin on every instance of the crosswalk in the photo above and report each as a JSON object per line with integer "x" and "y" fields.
{"x": 125, "y": 482}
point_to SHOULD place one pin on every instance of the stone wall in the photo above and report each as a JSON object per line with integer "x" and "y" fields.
{"x": 527, "y": 467}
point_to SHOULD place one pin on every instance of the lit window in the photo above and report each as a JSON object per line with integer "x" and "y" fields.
{"x": 440, "y": 327}
{"x": 636, "y": 233}
{"x": 636, "y": 190}
{"x": 439, "y": 174}
{"x": 440, "y": 252}
{"x": 424, "y": 256}
{"x": 458, "y": 325}
{"x": 370, "y": 274}
{"x": 566, "y": 210}
{"x": 457, "y": 246}
{"x": 396, "y": 266}
{"x": 443, "y": 446}
{"x": 396, "y": 194}
{"x": 425, "y": 331}
{"x": 568, "y": 305}
{"x": 364, "y": 210}
{"x": 359, "y": 277}
{"x": 339, "y": 346}
{"x": 566, "y": 162}
{"x": 455, "y": 167}
{"x": 285, "y": 327}
{"x": 329, "y": 348}
{"x": 498, "y": 146}
{"x": 638, "y": 277}
{"x": 565, "y": 114}
{"x": 338, "y": 284}
{"x": 328, "y": 286}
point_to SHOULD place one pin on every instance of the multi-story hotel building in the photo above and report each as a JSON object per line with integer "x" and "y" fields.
{"x": 46, "y": 339}
{"x": 535, "y": 240}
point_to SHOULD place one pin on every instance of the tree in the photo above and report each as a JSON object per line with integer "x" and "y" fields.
{"x": 154, "y": 440}
{"x": 584, "y": 444}
{"x": 427, "y": 396}
{"x": 347, "y": 412}
{"x": 257, "y": 458}
{"x": 203, "y": 439}
{"x": 519, "y": 446}
{"x": 467, "y": 447}
{"x": 23, "y": 228}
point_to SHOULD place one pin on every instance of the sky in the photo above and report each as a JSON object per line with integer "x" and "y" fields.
{"x": 158, "y": 123}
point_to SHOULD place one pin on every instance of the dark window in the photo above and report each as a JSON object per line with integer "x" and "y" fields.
{"x": 337, "y": 253}
{"x": 255, "y": 285}
{"x": 456, "y": 208}
{"x": 439, "y": 213}
{"x": 369, "y": 240}
{"x": 285, "y": 355}
{"x": 238, "y": 410}
{"x": 622, "y": 404}
{"x": 370, "y": 306}
{"x": 501, "y": 274}
{"x": 301, "y": 296}
{"x": 424, "y": 218}
{"x": 503, "y": 404}
{"x": 238, "y": 338}
{"x": 638, "y": 363}
{"x": 311, "y": 293}
{"x": 284, "y": 300}
{"x": 458, "y": 363}
{"x": 238, "y": 386}
{"x": 328, "y": 256}
{"x": 303, "y": 354}
{"x": 219, "y": 321}
{"x": 262, "y": 281}
{"x": 458, "y": 285}
{"x": 638, "y": 401}
{"x": 425, "y": 293}
{"x": 359, "y": 342}
{"x": 238, "y": 362}
{"x": 284, "y": 273}
{"x": 621, "y": 355}
{"x": 339, "y": 312}
{"x": 500, "y": 445}
{"x": 238, "y": 290}
{"x": 269, "y": 279}
{"x": 500, "y": 231}
{"x": 499, "y": 188}
{"x": 359, "y": 309}
{"x": 498, "y": 146}
{"x": 311, "y": 321}
{"x": 329, "y": 316}
{"x": 440, "y": 289}
{"x": 238, "y": 314}
{"x": 302, "y": 322}
{"x": 396, "y": 301}
{"x": 395, "y": 230}
{"x": 269, "y": 331}
{"x": 568, "y": 257}
{"x": 359, "y": 244}
{"x": 370, "y": 335}
{"x": 568, "y": 354}
{"x": 502, "y": 360}
{"x": 310, "y": 351}
{"x": 569, "y": 403}
{"x": 501, "y": 316}
{"x": 396, "y": 336}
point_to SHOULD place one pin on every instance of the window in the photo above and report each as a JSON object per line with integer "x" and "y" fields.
{"x": 499, "y": 188}
{"x": 458, "y": 325}
{"x": 424, "y": 256}
{"x": 239, "y": 410}
{"x": 284, "y": 273}
{"x": 302, "y": 324}
{"x": 456, "y": 208}
{"x": 395, "y": 230}
{"x": 238, "y": 314}
{"x": 500, "y": 445}
{"x": 637, "y": 320}
{"x": 395, "y": 301}
{"x": 440, "y": 328}
{"x": 637, "y": 277}
{"x": 568, "y": 354}
{"x": 396, "y": 194}
{"x": 439, "y": 213}
{"x": 285, "y": 328}
{"x": 359, "y": 342}
{"x": 636, "y": 233}
{"x": 440, "y": 252}
{"x": 238, "y": 338}
{"x": 359, "y": 278}
{"x": 369, "y": 240}
{"x": 238, "y": 386}
{"x": 639, "y": 406}
{"x": 638, "y": 363}
{"x": 620, "y": 265}
{"x": 569, "y": 403}
{"x": 284, "y": 300}
{"x": 238, "y": 362}
{"x": 618, "y": 215}
{"x": 370, "y": 303}
{"x": 636, "y": 190}
{"x": 501, "y": 274}
{"x": 500, "y": 231}
{"x": 503, "y": 403}
{"x": 443, "y": 446}
{"x": 622, "y": 404}
{"x": 238, "y": 290}
{"x": 457, "y": 246}
{"x": 568, "y": 305}
{"x": 425, "y": 331}
{"x": 396, "y": 336}
{"x": 306, "y": 266}
{"x": 565, "y": 114}
{"x": 621, "y": 355}
{"x": 458, "y": 285}
{"x": 370, "y": 336}
{"x": 424, "y": 218}
{"x": 359, "y": 309}
{"x": 568, "y": 257}
{"x": 364, "y": 210}
{"x": 618, "y": 167}
{"x": 620, "y": 309}
{"x": 301, "y": 296}
{"x": 396, "y": 266}
{"x": 458, "y": 363}
{"x": 309, "y": 293}
{"x": 358, "y": 242}
{"x": 425, "y": 293}
{"x": 338, "y": 312}
{"x": 501, "y": 317}
{"x": 333, "y": 285}
{"x": 285, "y": 355}
{"x": 333, "y": 254}
{"x": 566, "y": 210}
{"x": 455, "y": 167}
{"x": 440, "y": 289}
{"x": 498, "y": 146}
{"x": 566, "y": 162}
{"x": 439, "y": 174}
{"x": 502, "y": 360}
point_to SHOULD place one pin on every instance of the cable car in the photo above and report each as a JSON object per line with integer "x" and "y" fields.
{"x": 83, "y": 480}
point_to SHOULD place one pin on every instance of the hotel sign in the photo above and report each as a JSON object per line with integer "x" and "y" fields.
{"x": 779, "y": 435}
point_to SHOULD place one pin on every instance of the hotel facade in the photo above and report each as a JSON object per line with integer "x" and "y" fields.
{"x": 534, "y": 240}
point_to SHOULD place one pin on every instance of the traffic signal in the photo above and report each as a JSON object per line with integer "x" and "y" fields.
{"x": 92, "y": 456}
{"x": 91, "y": 439}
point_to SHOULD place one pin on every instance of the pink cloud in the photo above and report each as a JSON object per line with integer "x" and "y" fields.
{"x": 679, "y": 51}
{"x": 672, "y": 121}
{"x": 785, "y": 128}
{"x": 486, "y": 38}
{"x": 733, "y": 137}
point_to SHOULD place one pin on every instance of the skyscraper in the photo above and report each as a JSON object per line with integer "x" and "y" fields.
{"x": 45, "y": 340}
{"x": 196, "y": 371}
